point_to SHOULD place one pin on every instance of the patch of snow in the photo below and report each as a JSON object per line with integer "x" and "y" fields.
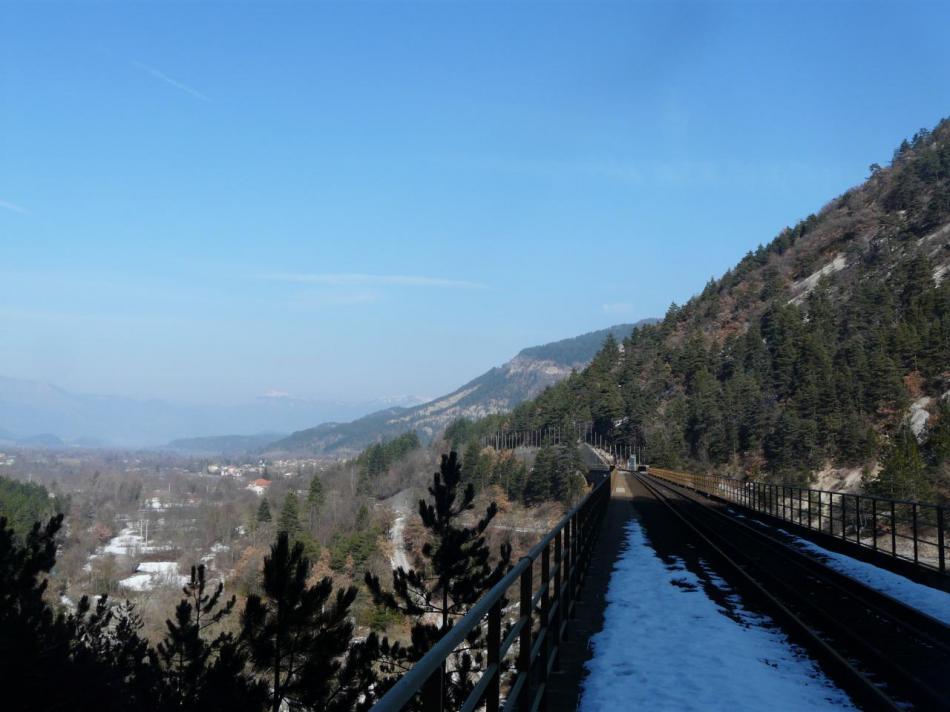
{"x": 125, "y": 543}
{"x": 918, "y": 415}
{"x": 670, "y": 646}
{"x": 153, "y": 574}
{"x": 138, "y": 582}
{"x": 933, "y": 602}
{"x": 940, "y": 271}
{"x": 166, "y": 568}
{"x": 805, "y": 286}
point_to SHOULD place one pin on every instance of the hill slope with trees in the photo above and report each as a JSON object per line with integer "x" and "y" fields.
{"x": 828, "y": 346}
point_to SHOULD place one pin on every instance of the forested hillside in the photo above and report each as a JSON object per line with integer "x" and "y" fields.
{"x": 828, "y": 346}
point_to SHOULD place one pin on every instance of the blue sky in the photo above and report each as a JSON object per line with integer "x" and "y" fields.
{"x": 205, "y": 202}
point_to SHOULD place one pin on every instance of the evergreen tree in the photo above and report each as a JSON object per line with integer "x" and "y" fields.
{"x": 902, "y": 474}
{"x": 938, "y": 440}
{"x": 315, "y": 499}
{"x": 92, "y": 659}
{"x": 289, "y": 520}
{"x": 263, "y": 512}
{"x": 199, "y": 670}
{"x": 299, "y": 637}
{"x": 456, "y": 574}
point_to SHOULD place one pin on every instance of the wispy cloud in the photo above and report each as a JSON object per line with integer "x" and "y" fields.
{"x": 351, "y": 279}
{"x": 616, "y": 308}
{"x": 7, "y": 205}
{"x": 181, "y": 86}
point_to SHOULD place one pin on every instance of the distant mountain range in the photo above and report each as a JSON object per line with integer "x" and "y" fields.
{"x": 38, "y": 414}
{"x": 495, "y": 391}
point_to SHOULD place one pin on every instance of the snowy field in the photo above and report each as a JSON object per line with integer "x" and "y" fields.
{"x": 666, "y": 645}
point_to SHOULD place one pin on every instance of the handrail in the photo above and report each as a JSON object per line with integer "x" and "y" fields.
{"x": 553, "y": 435}
{"x": 875, "y": 523}
{"x": 572, "y": 538}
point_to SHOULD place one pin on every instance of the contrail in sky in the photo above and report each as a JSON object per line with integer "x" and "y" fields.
{"x": 172, "y": 82}
{"x": 14, "y": 207}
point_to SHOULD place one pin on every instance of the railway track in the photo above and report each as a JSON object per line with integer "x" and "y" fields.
{"x": 884, "y": 653}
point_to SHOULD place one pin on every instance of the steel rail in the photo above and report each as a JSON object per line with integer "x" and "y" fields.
{"x": 918, "y": 652}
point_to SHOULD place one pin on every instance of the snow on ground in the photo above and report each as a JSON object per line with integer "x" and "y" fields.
{"x": 127, "y": 542}
{"x": 154, "y": 574}
{"x": 933, "y": 602}
{"x": 667, "y": 646}
{"x": 165, "y": 568}
{"x": 138, "y": 582}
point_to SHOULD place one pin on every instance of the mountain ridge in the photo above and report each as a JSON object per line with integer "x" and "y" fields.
{"x": 496, "y": 391}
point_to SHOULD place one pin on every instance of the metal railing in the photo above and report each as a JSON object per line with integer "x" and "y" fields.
{"x": 910, "y": 531}
{"x": 578, "y": 432}
{"x": 560, "y": 560}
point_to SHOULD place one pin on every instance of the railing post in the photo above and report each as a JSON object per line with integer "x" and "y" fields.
{"x": 433, "y": 696}
{"x": 857, "y": 517}
{"x": 493, "y": 694}
{"x": 874, "y": 523}
{"x": 524, "y": 647}
{"x": 941, "y": 555}
{"x": 914, "y": 515}
{"x": 568, "y": 567}
{"x": 820, "y": 527}
{"x": 843, "y": 499}
{"x": 545, "y": 627}
{"x": 574, "y": 566}
{"x": 558, "y": 595}
{"x": 893, "y": 528}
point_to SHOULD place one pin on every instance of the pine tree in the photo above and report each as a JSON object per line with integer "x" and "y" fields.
{"x": 92, "y": 659}
{"x": 902, "y": 474}
{"x": 315, "y": 500}
{"x": 289, "y": 520}
{"x": 300, "y": 636}
{"x": 457, "y": 573}
{"x": 200, "y": 671}
{"x": 263, "y": 512}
